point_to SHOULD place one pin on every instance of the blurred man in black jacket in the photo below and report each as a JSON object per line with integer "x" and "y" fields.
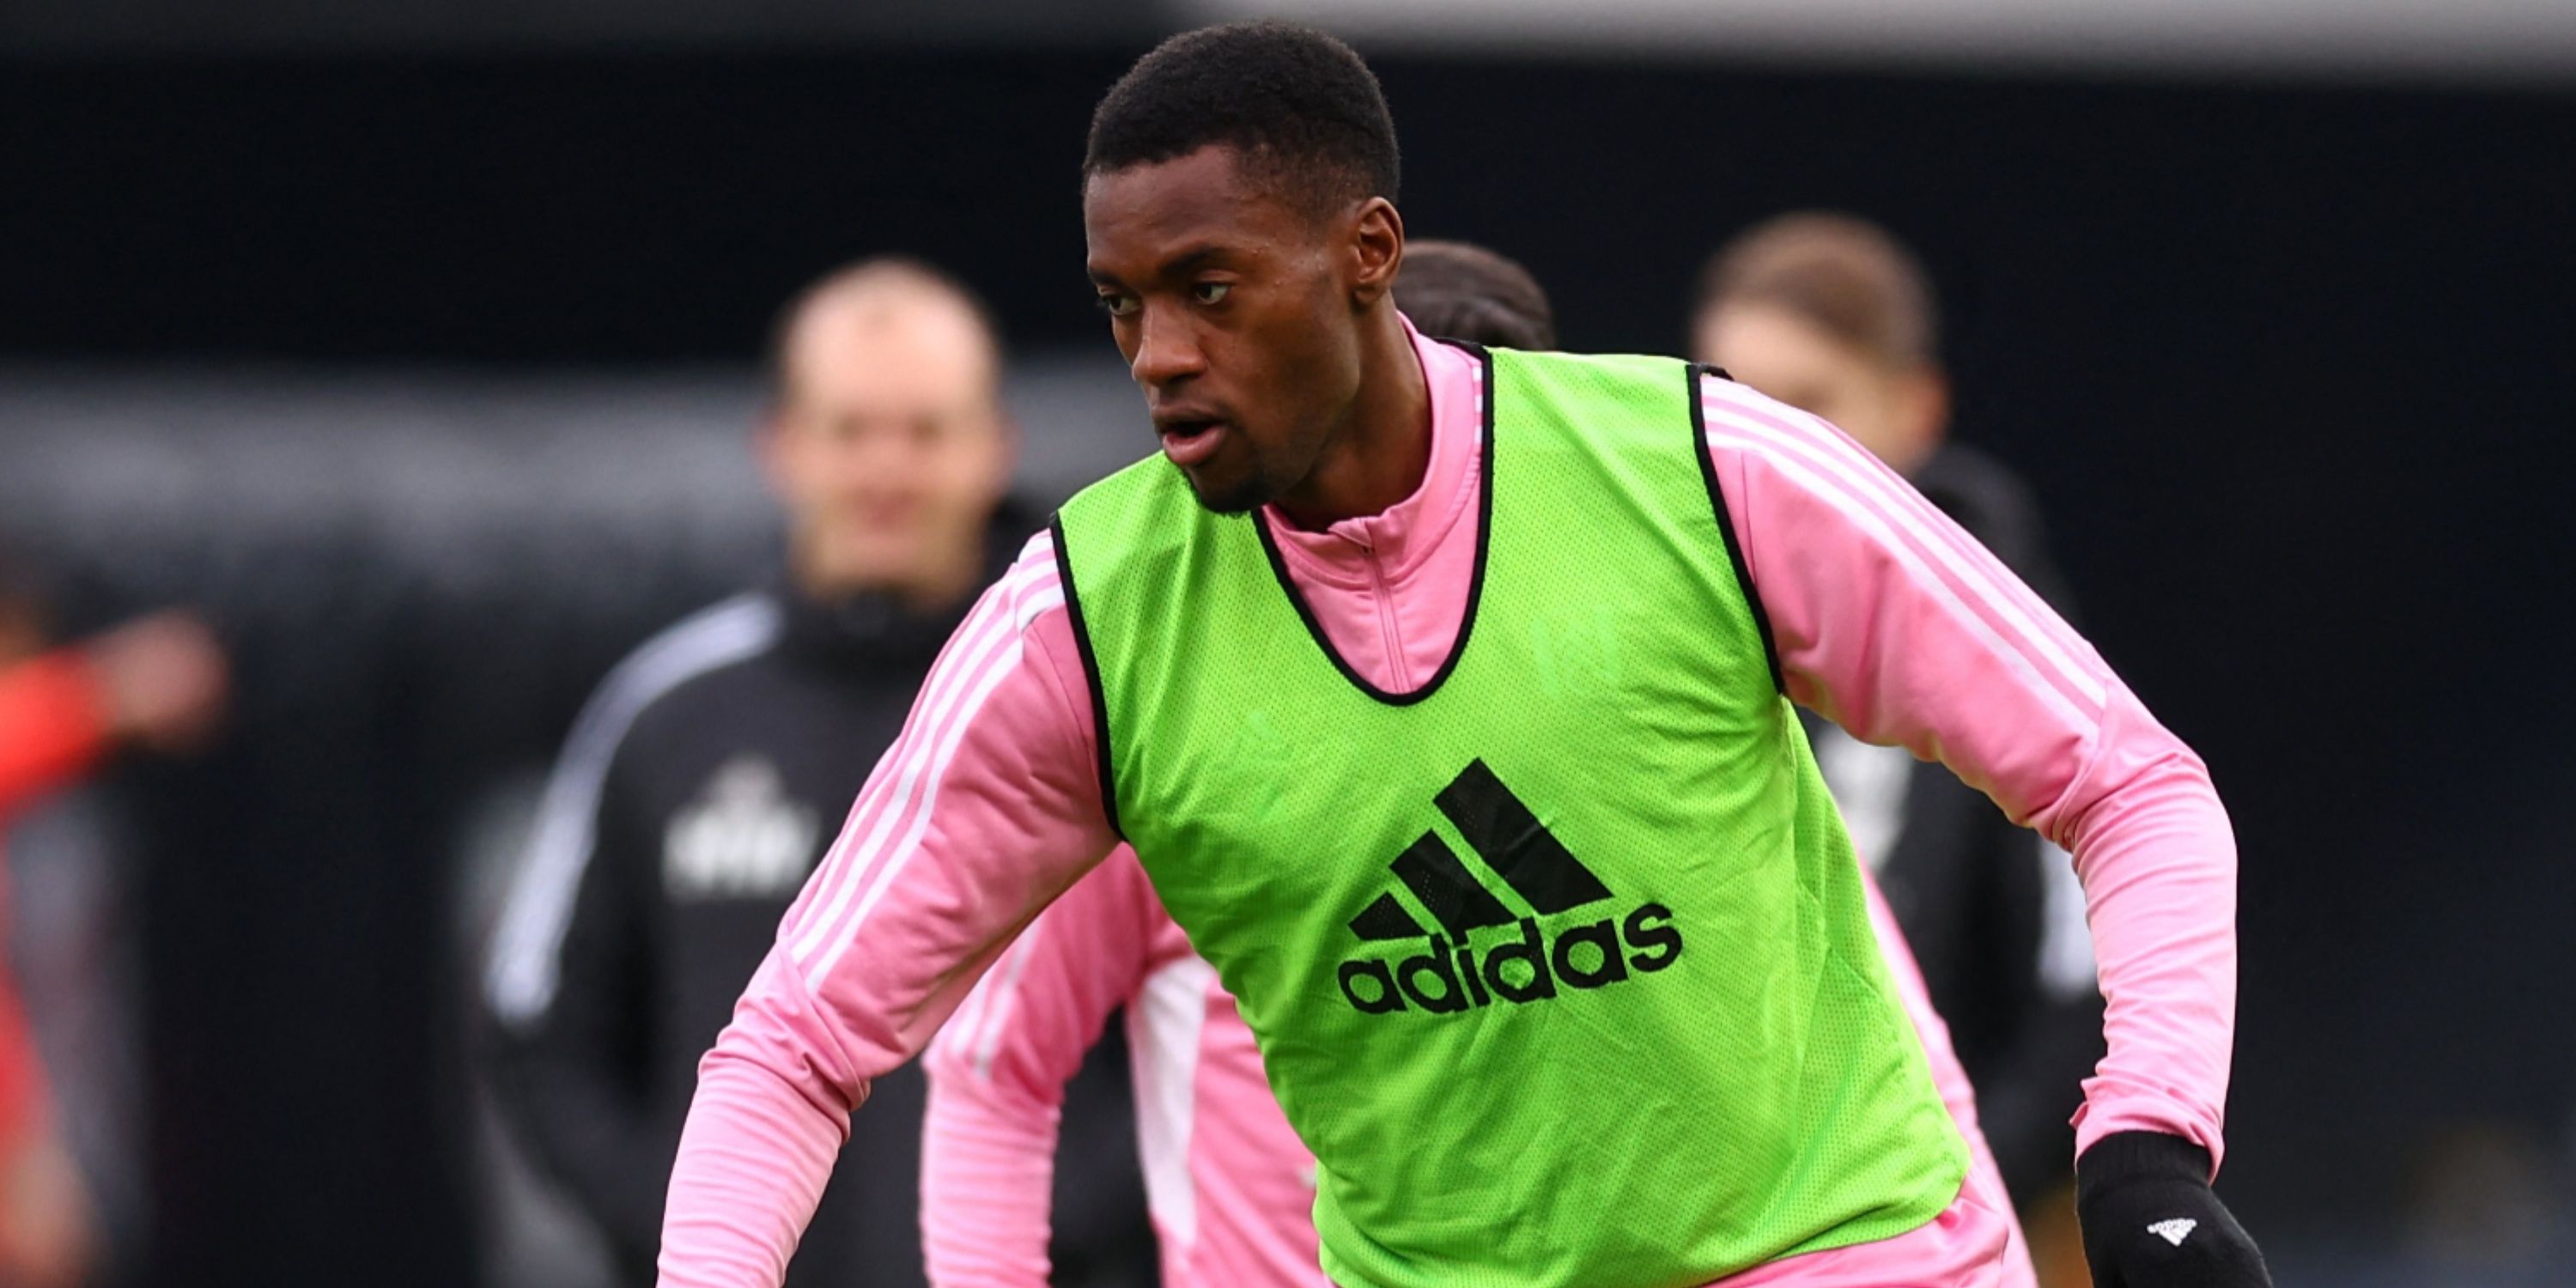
{"x": 1828, "y": 313}
{"x": 712, "y": 768}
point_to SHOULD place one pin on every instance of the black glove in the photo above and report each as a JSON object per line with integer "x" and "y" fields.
{"x": 2150, "y": 1220}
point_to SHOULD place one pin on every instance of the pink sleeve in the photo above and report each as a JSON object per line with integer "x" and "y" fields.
{"x": 998, "y": 1072}
{"x": 1898, "y": 626}
{"x": 987, "y": 807}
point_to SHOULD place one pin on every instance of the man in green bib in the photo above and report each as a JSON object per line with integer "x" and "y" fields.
{"x": 1446, "y": 696}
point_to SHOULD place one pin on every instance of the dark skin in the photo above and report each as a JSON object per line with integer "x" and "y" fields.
{"x": 1267, "y": 323}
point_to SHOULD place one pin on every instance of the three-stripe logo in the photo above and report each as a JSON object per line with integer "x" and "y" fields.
{"x": 1447, "y": 978}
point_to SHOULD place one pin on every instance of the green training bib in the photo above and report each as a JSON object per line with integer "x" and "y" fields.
{"x": 1560, "y": 963}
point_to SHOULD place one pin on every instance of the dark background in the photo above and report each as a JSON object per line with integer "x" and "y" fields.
{"x": 2285, "y": 364}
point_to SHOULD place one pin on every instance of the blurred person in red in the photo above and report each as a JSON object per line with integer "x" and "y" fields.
{"x": 707, "y": 775}
{"x": 155, "y": 684}
{"x": 1828, "y": 313}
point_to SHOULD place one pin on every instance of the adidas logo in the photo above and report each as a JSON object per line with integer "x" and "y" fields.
{"x": 2175, "y": 1230}
{"x": 1447, "y": 977}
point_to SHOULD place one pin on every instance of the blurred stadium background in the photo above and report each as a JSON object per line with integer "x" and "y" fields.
{"x": 414, "y": 341}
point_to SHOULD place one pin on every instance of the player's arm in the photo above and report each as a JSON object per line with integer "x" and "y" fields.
{"x": 569, "y": 986}
{"x": 53, "y": 725}
{"x": 985, "y": 809}
{"x": 998, "y": 1072}
{"x": 158, "y": 682}
{"x": 1894, "y": 623}
{"x": 2027, "y": 1090}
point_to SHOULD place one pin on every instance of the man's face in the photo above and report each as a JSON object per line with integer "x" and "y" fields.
{"x": 1895, "y": 412}
{"x": 888, "y": 449}
{"x": 1236, "y": 315}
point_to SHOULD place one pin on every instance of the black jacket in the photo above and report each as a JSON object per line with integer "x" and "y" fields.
{"x": 698, "y": 790}
{"x": 1992, "y": 911}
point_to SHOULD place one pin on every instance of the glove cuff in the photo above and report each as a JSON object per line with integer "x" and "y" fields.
{"x": 2125, "y": 1157}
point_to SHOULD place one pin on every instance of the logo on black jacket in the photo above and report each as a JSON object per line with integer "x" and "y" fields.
{"x": 1452, "y": 973}
{"x": 743, "y": 838}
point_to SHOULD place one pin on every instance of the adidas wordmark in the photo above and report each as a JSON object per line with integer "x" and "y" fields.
{"x": 1446, "y": 977}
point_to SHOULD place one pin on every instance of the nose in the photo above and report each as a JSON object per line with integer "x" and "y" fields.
{"x": 1167, "y": 349}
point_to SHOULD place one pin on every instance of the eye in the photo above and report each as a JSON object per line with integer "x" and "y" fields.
{"x": 1117, "y": 304}
{"x": 1211, "y": 292}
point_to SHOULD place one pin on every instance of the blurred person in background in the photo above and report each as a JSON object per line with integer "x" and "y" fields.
{"x": 1462, "y": 291}
{"x": 1829, "y": 314}
{"x": 156, "y": 684}
{"x": 1231, "y": 1187}
{"x": 713, "y": 766}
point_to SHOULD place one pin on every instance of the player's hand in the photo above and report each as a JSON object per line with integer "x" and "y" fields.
{"x": 47, "y": 1235}
{"x": 165, "y": 680}
{"x": 2151, "y": 1221}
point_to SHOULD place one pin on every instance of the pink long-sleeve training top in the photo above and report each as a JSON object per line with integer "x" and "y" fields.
{"x": 1231, "y": 1189}
{"x": 1886, "y": 618}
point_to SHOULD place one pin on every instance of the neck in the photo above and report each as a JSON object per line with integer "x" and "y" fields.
{"x": 948, "y": 577}
{"x": 1379, "y": 455}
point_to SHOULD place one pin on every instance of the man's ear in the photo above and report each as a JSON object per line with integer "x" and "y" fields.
{"x": 1924, "y": 403}
{"x": 1006, "y": 453}
{"x": 1377, "y": 250}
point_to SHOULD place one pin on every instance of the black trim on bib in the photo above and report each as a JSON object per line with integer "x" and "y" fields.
{"x": 1475, "y": 585}
{"x": 1725, "y": 526}
{"x": 1090, "y": 673}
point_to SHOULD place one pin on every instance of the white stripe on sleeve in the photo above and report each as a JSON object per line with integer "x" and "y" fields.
{"x": 1779, "y": 428}
{"x": 895, "y": 808}
{"x": 1871, "y": 520}
{"x": 889, "y": 786}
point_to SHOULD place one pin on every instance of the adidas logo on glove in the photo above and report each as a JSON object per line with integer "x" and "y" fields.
{"x": 2175, "y": 1230}
{"x": 1447, "y": 977}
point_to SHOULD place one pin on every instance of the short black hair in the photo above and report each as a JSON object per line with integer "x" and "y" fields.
{"x": 1462, "y": 291}
{"x": 1301, "y": 107}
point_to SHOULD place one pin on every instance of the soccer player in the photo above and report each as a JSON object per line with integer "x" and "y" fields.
{"x": 1230, "y": 1188}
{"x": 1829, "y": 314}
{"x": 700, "y": 786}
{"x": 1462, "y": 291}
{"x": 1445, "y": 698}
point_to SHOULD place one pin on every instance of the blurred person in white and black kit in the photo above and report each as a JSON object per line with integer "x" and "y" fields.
{"x": 711, "y": 769}
{"x": 1830, "y": 314}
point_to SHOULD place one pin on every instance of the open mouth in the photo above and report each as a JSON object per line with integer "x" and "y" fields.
{"x": 1188, "y": 442}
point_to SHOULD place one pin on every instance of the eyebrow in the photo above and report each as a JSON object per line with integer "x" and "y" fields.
{"x": 1182, "y": 264}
